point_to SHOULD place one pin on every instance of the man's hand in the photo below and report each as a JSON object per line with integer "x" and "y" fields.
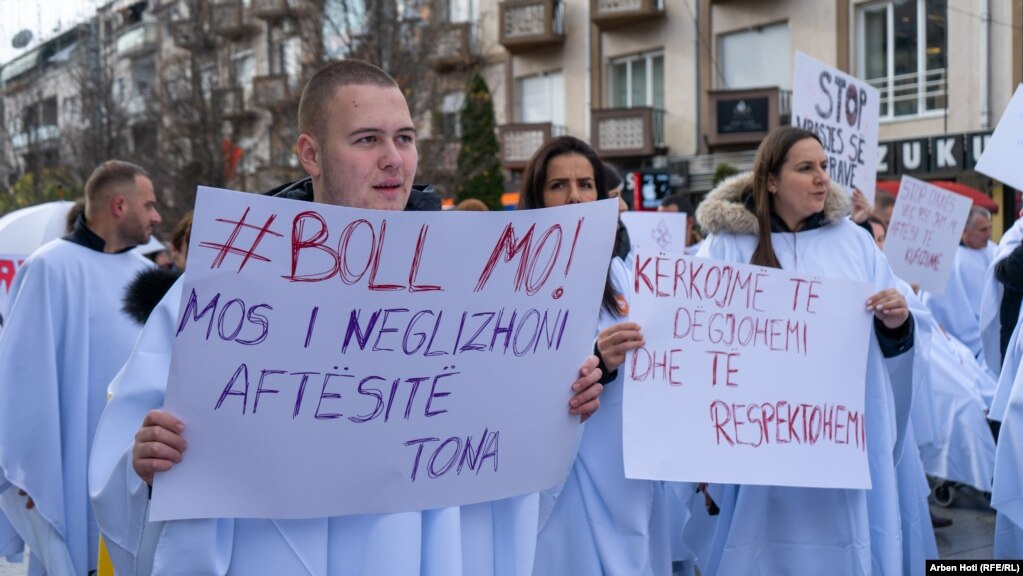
{"x": 889, "y": 306}
{"x": 615, "y": 341}
{"x": 158, "y": 445}
{"x": 587, "y": 389}
{"x": 29, "y": 503}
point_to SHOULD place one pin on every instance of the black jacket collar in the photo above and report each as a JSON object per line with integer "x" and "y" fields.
{"x": 83, "y": 236}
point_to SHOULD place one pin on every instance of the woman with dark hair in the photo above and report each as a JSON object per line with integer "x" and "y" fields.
{"x": 599, "y": 522}
{"x": 787, "y": 214}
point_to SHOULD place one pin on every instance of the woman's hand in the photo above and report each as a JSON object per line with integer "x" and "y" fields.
{"x": 861, "y": 209}
{"x": 614, "y": 341}
{"x": 889, "y": 306}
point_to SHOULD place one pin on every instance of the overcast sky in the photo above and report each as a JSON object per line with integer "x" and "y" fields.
{"x": 41, "y": 17}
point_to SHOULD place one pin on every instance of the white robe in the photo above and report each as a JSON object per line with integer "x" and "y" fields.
{"x": 65, "y": 338}
{"x": 783, "y": 530}
{"x": 958, "y": 308}
{"x": 991, "y": 300}
{"x": 1007, "y": 493}
{"x": 489, "y": 539}
{"x": 601, "y": 522}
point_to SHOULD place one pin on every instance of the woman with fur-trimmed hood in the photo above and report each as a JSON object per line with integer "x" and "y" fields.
{"x": 787, "y": 214}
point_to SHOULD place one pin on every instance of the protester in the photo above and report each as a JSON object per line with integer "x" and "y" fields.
{"x": 358, "y": 146}
{"x": 1007, "y": 492}
{"x": 957, "y": 309}
{"x": 64, "y": 341}
{"x": 681, "y": 203}
{"x": 787, "y": 214}
{"x": 472, "y": 205}
{"x": 599, "y": 522}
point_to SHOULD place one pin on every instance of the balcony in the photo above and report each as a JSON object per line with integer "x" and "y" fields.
{"x": 232, "y": 20}
{"x": 231, "y": 102}
{"x": 608, "y": 14}
{"x": 274, "y": 91}
{"x": 520, "y": 141}
{"x": 744, "y": 117}
{"x": 190, "y": 34}
{"x": 138, "y": 41}
{"x": 274, "y": 10}
{"x": 529, "y": 24}
{"x": 455, "y": 46}
{"x": 628, "y": 132}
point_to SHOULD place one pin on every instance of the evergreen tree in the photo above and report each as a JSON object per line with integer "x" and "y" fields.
{"x": 479, "y": 164}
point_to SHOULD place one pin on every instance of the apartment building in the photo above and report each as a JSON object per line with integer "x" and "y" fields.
{"x": 683, "y": 86}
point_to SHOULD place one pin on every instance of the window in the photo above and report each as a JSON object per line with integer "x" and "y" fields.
{"x": 637, "y": 81}
{"x": 903, "y": 46}
{"x": 462, "y": 10}
{"x": 749, "y": 59}
{"x": 541, "y": 99}
{"x": 451, "y": 115}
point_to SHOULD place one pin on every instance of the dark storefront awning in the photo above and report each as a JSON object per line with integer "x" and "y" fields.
{"x": 978, "y": 197}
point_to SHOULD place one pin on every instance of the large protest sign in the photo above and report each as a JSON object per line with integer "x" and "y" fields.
{"x": 748, "y": 375}
{"x": 653, "y": 231}
{"x": 1001, "y": 159}
{"x": 924, "y": 232}
{"x": 843, "y": 111}
{"x": 334, "y": 361}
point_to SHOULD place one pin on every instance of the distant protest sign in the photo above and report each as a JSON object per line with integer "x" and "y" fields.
{"x": 924, "y": 233}
{"x": 1001, "y": 159}
{"x": 653, "y": 231}
{"x": 9, "y": 265}
{"x": 332, "y": 361}
{"x": 748, "y": 375}
{"x": 843, "y": 111}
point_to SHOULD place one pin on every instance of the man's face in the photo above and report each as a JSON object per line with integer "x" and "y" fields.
{"x": 140, "y": 215}
{"x": 977, "y": 232}
{"x": 367, "y": 157}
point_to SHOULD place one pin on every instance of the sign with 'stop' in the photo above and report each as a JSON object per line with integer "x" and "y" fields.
{"x": 332, "y": 361}
{"x": 748, "y": 375}
{"x": 923, "y": 235}
{"x": 843, "y": 112}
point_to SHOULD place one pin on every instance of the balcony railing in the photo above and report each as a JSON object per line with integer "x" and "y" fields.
{"x": 442, "y": 152}
{"x": 273, "y": 10}
{"x": 138, "y": 41}
{"x": 190, "y": 36}
{"x": 233, "y": 20}
{"x": 613, "y": 13}
{"x": 742, "y": 117}
{"x": 274, "y": 91}
{"x": 520, "y": 141}
{"x": 455, "y": 46}
{"x": 628, "y": 132}
{"x": 912, "y": 93}
{"x": 528, "y": 24}
{"x": 232, "y": 104}
{"x": 37, "y": 135}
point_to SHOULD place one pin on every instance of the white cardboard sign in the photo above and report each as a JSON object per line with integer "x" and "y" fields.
{"x": 843, "y": 111}
{"x": 923, "y": 235}
{"x": 653, "y": 231}
{"x": 748, "y": 375}
{"x": 333, "y": 361}
{"x": 1001, "y": 158}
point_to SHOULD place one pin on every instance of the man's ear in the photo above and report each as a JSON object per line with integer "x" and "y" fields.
{"x": 118, "y": 205}
{"x": 309, "y": 154}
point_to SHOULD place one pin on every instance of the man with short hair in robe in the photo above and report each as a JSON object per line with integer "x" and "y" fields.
{"x": 958, "y": 308}
{"x": 65, "y": 338}
{"x": 358, "y": 146}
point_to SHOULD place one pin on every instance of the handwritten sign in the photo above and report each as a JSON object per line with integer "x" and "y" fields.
{"x": 749, "y": 375}
{"x": 653, "y": 231}
{"x": 333, "y": 361}
{"x": 924, "y": 232}
{"x": 843, "y": 112}
{"x": 1002, "y": 156}
{"x": 9, "y": 265}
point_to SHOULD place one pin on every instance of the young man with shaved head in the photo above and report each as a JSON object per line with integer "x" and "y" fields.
{"x": 358, "y": 145}
{"x": 64, "y": 341}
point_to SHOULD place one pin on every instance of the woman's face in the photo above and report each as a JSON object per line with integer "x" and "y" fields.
{"x": 878, "y": 234}
{"x": 802, "y": 183}
{"x": 569, "y": 181}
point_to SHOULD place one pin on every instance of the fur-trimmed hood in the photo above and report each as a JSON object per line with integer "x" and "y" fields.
{"x": 724, "y": 209}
